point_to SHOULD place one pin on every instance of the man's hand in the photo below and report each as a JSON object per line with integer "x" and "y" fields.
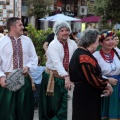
{"x": 68, "y": 83}
{"x": 113, "y": 81}
{"x": 25, "y": 69}
{"x": 2, "y": 81}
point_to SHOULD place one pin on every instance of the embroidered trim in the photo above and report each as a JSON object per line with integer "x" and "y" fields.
{"x": 106, "y": 34}
{"x": 107, "y": 57}
{"x": 87, "y": 59}
{"x": 17, "y": 53}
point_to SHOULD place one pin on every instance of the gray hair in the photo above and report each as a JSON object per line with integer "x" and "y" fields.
{"x": 88, "y": 37}
{"x": 59, "y": 25}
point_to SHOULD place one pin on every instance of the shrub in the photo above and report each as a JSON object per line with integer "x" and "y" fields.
{"x": 38, "y": 37}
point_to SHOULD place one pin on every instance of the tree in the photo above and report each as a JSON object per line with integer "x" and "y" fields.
{"x": 38, "y": 8}
{"x": 38, "y": 37}
{"x": 108, "y": 9}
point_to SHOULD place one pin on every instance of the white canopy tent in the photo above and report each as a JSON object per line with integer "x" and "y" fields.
{"x": 58, "y": 17}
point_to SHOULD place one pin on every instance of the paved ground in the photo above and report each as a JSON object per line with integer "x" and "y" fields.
{"x": 69, "y": 108}
{"x": 36, "y": 115}
{"x": 69, "y": 116}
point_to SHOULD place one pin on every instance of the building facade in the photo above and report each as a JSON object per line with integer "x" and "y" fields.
{"x": 73, "y": 8}
{"x": 9, "y": 8}
{"x": 66, "y": 7}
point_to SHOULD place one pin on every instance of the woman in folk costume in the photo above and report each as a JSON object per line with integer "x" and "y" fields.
{"x": 109, "y": 61}
{"x": 16, "y": 52}
{"x": 86, "y": 74}
{"x": 116, "y": 42}
{"x": 56, "y": 81}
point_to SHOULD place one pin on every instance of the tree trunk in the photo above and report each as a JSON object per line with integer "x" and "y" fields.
{"x": 37, "y": 23}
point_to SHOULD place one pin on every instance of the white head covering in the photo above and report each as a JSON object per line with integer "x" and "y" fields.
{"x": 60, "y": 24}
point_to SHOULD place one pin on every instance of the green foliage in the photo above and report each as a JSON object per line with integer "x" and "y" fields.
{"x": 38, "y": 37}
{"x": 100, "y": 6}
{"x": 90, "y": 6}
{"x": 104, "y": 25}
{"x": 108, "y": 9}
{"x": 38, "y": 8}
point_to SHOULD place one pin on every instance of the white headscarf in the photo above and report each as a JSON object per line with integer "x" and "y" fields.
{"x": 60, "y": 24}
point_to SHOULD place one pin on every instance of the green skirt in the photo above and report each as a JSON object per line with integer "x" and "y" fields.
{"x": 53, "y": 107}
{"x": 17, "y": 105}
{"x": 110, "y": 106}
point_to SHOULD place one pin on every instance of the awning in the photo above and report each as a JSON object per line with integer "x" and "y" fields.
{"x": 59, "y": 17}
{"x": 92, "y": 19}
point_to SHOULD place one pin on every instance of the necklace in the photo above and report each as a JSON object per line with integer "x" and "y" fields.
{"x": 107, "y": 57}
{"x": 113, "y": 66}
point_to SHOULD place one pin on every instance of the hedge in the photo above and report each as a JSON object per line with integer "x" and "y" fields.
{"x": 38, "y": 37}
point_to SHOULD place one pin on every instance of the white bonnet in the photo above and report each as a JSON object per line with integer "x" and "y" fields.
{"x": 60, "y": 24}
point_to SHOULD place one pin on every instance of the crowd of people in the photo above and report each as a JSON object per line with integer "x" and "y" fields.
{"x": 73, "y": 60}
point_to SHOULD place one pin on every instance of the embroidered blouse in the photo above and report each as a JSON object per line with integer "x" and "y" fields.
{"x": 84, "y": 68}
{"x": 55, "y": 55}
{"x": 30, "y": 58}
{"x": 108, "y": 69}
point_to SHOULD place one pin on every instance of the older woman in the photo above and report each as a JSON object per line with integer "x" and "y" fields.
{"x": 86, "y": 75}
{"x": 109, "y": 61}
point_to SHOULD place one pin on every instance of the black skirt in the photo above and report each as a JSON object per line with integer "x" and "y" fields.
{"x": 86, "y": 102}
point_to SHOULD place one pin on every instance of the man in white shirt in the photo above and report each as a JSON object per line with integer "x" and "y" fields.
{"x": 56, "y": 78}
{"x": 16, "y": 51}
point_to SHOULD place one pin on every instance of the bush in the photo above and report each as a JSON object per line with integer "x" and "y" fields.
{"x": 38, "y": 37}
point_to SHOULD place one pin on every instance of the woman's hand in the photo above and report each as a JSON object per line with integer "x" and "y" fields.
{"x": 113, "y": 81}
{"x": 68, "y": 83}
{"x": 108, "y": 89}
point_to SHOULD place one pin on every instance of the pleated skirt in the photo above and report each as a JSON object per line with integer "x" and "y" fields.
{"x": 110, "y": 106}
{"x": 53, "y": 107}
{"x": 17, "y": 105}
{"x": 86, "y": 102}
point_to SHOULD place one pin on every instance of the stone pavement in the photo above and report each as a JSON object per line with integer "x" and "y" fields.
{"x": 69, "y": 108}
{"x": 69, "y": 115}
{"x": 36, "y": 115}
